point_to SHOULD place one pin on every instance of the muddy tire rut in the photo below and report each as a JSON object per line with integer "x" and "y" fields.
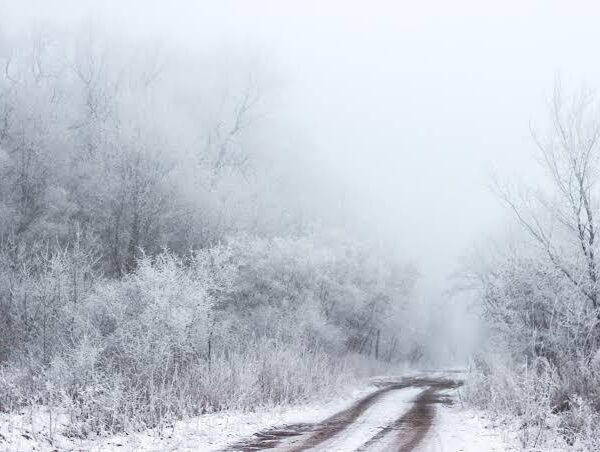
{"x": 402, "y": 435}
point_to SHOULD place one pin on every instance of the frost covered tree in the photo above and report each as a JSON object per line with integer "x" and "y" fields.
{"x": 562, "y": 220}
{"x": 538, "y": 287}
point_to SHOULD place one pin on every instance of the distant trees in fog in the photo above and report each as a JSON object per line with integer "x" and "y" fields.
{"x": 100, "y": 137}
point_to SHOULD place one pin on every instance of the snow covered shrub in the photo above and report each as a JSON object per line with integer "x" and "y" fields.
{"x": 538, "y": 364}
{"x": 245, "y": 323}
{"x": 268, "y": 373}
{"x": 151, "y": 326}
{"x": 549, "y": 410}
{"x": 321, "y": 289}
{"x": 43, "y": 288}
{"x": 506, "y": 390}
{"x": 16, "y": 387}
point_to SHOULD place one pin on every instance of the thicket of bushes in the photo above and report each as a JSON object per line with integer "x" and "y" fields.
{"x": 242, "y": 324}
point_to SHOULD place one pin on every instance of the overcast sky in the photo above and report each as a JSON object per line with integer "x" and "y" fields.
{"x": 407, "y": 105}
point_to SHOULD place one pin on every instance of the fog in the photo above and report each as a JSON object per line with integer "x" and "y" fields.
{"x": 396, "y": 113}
{"x": 219, "y": 216}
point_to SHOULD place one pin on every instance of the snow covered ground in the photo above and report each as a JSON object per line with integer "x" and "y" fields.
{"x": 458, "y": 429}
{"x": 30, "y": 430}
{"x": 454, "y": 428}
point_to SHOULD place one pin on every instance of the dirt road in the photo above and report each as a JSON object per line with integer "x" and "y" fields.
{"x": 396, "y": 417}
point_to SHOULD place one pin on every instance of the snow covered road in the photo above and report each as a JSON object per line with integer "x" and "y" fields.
{"x": 410, "y": 414}
{"x": 370, "y": 424}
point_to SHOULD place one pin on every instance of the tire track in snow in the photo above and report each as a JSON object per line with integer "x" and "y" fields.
{"x": 370, "y": 423}
{"x": 409, "y": 430}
